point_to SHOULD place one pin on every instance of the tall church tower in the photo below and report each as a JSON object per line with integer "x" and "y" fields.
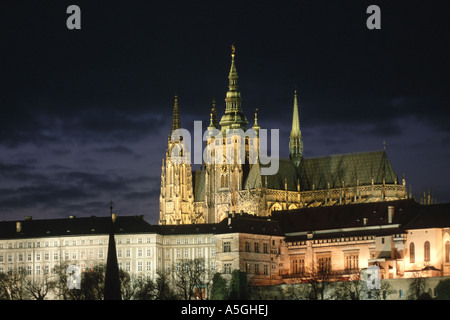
{"x": 224, "y": 179}
{"x": 295, "y": 143}
{"x": 176, "y": 201}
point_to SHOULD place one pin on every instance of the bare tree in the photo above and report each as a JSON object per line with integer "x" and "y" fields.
{"x": 190, "y": 277}
{"x": 318, "y": 279}
{"x": 39, "y": 287}
{"x": 164, "y": 289}
{"x": 12, "y": 285}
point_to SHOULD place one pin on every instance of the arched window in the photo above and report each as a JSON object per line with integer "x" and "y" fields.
{"x": 426, "y": 251}
{"x": 447, "y": 251}
{"x": 224, "y": 181}
{"x": 412, "y": 253}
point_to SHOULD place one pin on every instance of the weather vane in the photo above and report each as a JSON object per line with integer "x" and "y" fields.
{"x": 233, "y": 50}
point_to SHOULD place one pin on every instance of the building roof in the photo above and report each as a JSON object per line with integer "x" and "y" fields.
{"x": 322, "y": 222}
{"x": 350, "y": 168}
{"x": 245, "y": 223}
{"x": 431, "y": 216}
{"x": 365, "y": 218}
{"x": 323, "y": 172}
{"x": 201, "y": 228}
{"x": 73, "y": 226}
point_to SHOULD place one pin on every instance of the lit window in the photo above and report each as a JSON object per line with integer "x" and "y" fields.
{"x": 412, "y": 253}
{"x": 427, "y": 251}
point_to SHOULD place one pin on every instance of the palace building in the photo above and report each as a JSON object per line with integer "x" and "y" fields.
{"x": 403, "y": 238}
{"x": 208, "y": 194}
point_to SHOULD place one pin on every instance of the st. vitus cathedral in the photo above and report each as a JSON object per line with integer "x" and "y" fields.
{"x": 219, "y": 188}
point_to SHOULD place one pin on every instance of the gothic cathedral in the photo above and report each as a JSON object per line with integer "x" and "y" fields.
{"x": 230, "y": 185}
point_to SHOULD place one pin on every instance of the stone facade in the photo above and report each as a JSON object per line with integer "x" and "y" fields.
{"x": 227, "y": 184}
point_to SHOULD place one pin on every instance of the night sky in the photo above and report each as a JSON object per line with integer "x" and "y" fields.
{"x": 85, "y": 114}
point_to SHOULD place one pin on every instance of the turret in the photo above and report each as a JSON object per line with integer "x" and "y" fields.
{"x": 295, "y": 143}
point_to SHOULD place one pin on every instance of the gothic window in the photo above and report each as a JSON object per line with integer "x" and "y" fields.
{"x": 412, "y": 253}
{"x": 224, "y": 180}
{"x": 426, "y": 251}
{"x": 447, "y": 251}
{"x": 276, "y": 207}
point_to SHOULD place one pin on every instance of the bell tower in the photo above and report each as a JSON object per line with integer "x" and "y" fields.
{"x": 176, "y": 200}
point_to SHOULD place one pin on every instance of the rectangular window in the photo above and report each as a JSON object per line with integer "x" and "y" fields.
{"x": 265, "y": 248}
{"x": 149, "y": 266}
{"x": 351, "y": 261}
{"x": 324, "y": 263}
{"x": 227, "y": 246}
{"x": 247, "y": 246}
{"x": 257, "y": 247}
{"x": 227, "y": 268}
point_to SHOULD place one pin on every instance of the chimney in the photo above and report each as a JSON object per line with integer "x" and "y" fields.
{"x": 18, "y": 226}
{"x": 390, "y": 214}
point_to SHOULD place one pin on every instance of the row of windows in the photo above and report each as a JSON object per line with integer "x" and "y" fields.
{"x": 46, "y": 256}
{"x": 256, "y": 247}
{"x": 66, "y": 243}
{"x": 351, "y": 262}
{"x": 256, "y": 269}
{"x": 190, "y": 241}
{"x": 186, "y": 253}
{"x": 140, "y": 266}
{"x": 178, "y": 266}
{"x": 248, "y": 247}
{"x": 427, "y": 252}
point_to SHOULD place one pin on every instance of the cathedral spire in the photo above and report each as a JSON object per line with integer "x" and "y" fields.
{"x": 214, "y": 114}
{"x": 233, "y": 117}
{"x": 295, "y": 143}
{"x": 176, "y": 124}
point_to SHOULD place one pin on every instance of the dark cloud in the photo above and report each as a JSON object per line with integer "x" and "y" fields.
{"x": 85, "y": 115}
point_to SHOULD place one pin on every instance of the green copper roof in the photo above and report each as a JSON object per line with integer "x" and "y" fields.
{"x": 352, "y": 169}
